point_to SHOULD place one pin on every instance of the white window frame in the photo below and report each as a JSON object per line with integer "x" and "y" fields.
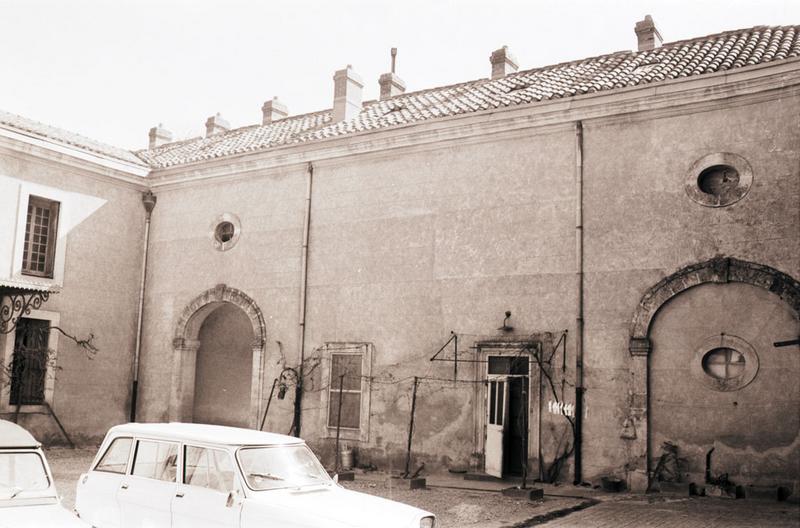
{"x": 7, "y": 355}
{"x": 25, "y": 192}
{"x": 347, "y": 348}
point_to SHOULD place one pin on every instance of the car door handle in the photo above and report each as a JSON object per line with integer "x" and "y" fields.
{"x": 124, "y": 486}
{"x": 179, "y": 494}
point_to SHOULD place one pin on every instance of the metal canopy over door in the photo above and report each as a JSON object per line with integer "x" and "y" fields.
{"x": 497, "y": 414}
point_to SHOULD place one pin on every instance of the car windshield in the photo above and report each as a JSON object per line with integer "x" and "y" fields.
{"x": 20, "y": 472}
{"x": 281, "y": 467}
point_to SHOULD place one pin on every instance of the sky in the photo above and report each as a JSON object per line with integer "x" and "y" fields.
{"x": 112, "y": 69}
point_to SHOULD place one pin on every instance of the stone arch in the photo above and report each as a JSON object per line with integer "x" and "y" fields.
{"x": 185, "y": 344}
{"x": 719, "y": 270}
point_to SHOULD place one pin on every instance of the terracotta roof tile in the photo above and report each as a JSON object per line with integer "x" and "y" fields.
{"x": 29, "y": 126}
{"x": 699, "y": 56}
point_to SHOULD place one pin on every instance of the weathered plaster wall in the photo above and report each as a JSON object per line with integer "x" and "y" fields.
{"x": 264, "y": 264}
{"x": 640, "y": 226}
{"x": 408, "y": 246}
{"x": 755, "y": 431}
{"x": 99, "y": 296}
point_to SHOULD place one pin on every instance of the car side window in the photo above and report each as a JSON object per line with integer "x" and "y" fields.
{"x": 115, "y": 459}
{"x": 156, "y": 460}
{"x": 208, "y": 468}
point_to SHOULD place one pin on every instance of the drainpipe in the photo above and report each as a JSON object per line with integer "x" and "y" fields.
{"x": 298, "y": 398}
{"x": 149, "y": 202}
{"x": 579, "y": 302}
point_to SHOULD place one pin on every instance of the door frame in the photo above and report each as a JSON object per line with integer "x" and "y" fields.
{"x": 508, "y": 348}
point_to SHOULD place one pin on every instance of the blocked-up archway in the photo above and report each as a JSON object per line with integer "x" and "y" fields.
{"x": 726, "y": 299}
{"x": 199, "y": 385}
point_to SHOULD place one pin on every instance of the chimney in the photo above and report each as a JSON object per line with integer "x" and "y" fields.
{"x": 159, "y": 136}
{"x": 647, "y": 34}
{"x": 347, "y": 86}
{"x": 273, "y": 110}
{"x": 216, "y": 124}
{"x": 390, "y": 83}
{"x": 503, "y": 63}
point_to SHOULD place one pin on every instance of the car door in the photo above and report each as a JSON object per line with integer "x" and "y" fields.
{"x": 145, "y": 495}
{"x": 96, "y": 497}
{"x": 208, "y": 478}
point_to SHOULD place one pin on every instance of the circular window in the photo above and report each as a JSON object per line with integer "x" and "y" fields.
{"x": 724, "y": 362}
{"x": 719, "y": 179}
{"x": 225, "y": 231}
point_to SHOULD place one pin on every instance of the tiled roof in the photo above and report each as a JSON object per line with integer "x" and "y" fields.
{"x": 724, "y": 51}
{"x": 29, "y": 126}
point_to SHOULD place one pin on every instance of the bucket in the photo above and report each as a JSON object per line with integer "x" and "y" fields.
{"x": 346, "y": 458}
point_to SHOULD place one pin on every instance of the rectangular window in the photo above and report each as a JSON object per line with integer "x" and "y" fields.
{"x": 208, "y": 468}
{"x": 41, "y": 229}
{"x": 345, "y": 386}
{"x": 115, "y": 459}
{"x": 29, "y": 362}
{"x": 156, "y": 460}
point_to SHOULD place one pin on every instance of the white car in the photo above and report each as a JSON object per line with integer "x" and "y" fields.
{"x": 193, "y": 476}
{"x": 28, "y": 497}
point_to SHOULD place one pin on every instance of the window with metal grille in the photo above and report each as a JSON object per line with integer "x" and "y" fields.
{"x": 29, "y": 363}
{"x": 345, "y": 373}
{"x": 40, "y": 237}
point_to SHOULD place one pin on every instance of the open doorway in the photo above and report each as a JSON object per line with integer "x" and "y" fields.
{"x": 507, "y": 414}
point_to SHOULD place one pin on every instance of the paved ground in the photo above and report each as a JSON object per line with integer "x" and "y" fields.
{"x": 701, "y": 512}
{"x": 469, "y": 504}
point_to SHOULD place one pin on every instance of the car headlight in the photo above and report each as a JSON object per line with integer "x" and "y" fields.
{"x": 427, "y": 522}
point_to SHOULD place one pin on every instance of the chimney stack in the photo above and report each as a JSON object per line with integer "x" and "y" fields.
{"x": 159, "y": 136}
{"x": 347, "y": 86}
{"x": 390, "y": 83}
{"x": 216, "y": 124}
{"x": 273, "y": 110}
{"x": 503, "y": 63}
{"x": 647, "y": 34}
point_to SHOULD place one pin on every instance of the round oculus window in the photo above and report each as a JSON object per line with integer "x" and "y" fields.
{"x": 724, "y": 362}
{"x": 718, "y": 179}
{"x": 225, "y": 231}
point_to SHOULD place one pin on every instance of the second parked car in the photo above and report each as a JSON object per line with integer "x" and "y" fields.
{"x": 190, "y": 475}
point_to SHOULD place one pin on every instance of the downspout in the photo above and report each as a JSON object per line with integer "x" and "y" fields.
{"x": 149, "y": 202}
{"x": 579, "y": 303}
{"x": 298, "y": 398}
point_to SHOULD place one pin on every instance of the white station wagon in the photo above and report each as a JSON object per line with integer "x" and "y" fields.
{"x": 193, "y": 476}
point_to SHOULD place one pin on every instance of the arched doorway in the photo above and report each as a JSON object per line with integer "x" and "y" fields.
{"x": 704, "y": 373}
{"x": 218, "y": 359}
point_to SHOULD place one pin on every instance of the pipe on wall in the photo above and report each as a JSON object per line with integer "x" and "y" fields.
{"x": 149, "y": 203}
{"x": 579, "y": 302}
{"x": 298, "y": 398}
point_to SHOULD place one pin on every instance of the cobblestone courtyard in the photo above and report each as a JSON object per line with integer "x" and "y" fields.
{"x": 458, "y": 503}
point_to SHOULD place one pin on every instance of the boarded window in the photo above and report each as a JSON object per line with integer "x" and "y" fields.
{"x": 345, "y": 384}
{"x": 115, "y": 459}
{"x": 29, "y": 363}
{"x": 40, "y": 237}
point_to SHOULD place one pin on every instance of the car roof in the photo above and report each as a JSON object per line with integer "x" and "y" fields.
{"x": 12, "y": 435}
{"x": 213, "y": 434}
